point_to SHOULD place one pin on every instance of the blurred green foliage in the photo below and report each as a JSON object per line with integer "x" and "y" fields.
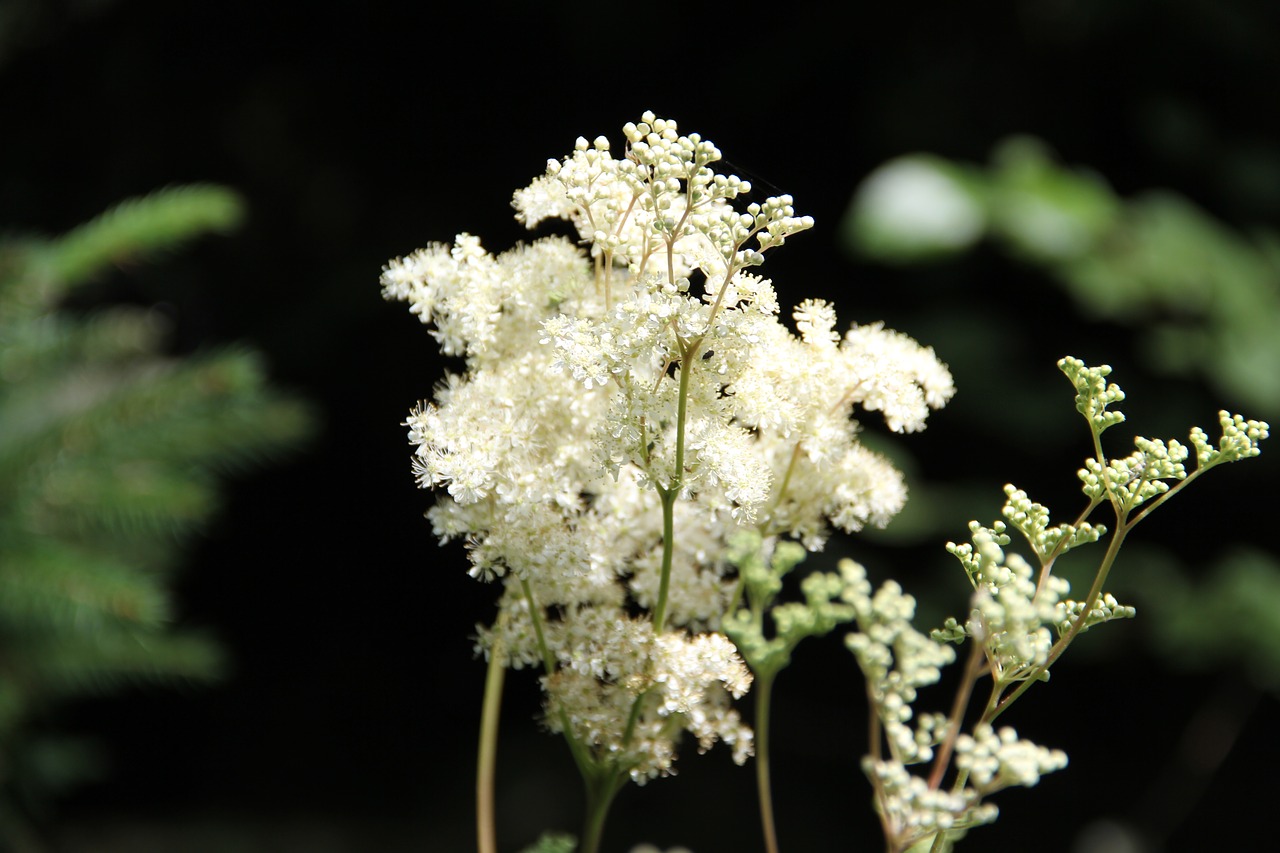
{"x": 1230, "y": 619}
{"x": 111, "y": 451}
{"x": 1202, "y": 299}
{"x": 553, "y": 842}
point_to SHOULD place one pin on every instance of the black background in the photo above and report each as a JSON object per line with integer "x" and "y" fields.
{"x": 361, "y": 132}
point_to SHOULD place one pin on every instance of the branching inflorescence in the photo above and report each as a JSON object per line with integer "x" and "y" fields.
{"x": 637, "y": 449}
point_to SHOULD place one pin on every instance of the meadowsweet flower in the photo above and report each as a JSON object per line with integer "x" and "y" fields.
{"x": 641, "y": 377}
{"x": 640, "y": 443}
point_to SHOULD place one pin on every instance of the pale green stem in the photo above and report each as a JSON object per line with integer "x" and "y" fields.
{"x": 939, "y": 843}
{"x": 633, "y": 718}
{"x": 764, "y": 691}
{"x": 601, "y": 789}
{"x": 977, "y": 654}
{"x": 485, "y": 833}
{"x": 668, "y": 550}
{"x": 729, "y": 270}
{"x": 672, "y": 492}
{"x": 786, "y": 482}
{"x": 1153, "y": 504}
{"x": 581, "y": 756}
{"x": 602, "y": 780}
{"x": 671, "y": 253}
{"x": 535, "y": 615}
{"x": 604, "y": 271}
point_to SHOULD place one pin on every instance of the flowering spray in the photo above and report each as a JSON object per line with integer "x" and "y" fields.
{"x": 638, "y": 449}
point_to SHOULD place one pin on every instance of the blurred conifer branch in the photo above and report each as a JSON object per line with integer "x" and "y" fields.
{"x": 111, "y": 453}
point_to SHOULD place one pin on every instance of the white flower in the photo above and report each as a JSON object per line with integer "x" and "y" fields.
{"x": 999, "y": 759}
{"x": 600, "y": 383}
{"x": 896, "y": 376}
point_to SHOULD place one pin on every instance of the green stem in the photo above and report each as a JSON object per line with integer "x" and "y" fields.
{"x": 485, "y": 832}
{"x": 874, "y": 752}
{"x": 782, "y": 487}
{"x": 601, "y": 789}
{"x": 581, "y": 755}
{"x": 687, "y": 359}
{"x": 535, "y": 616}
{"x": 668, "y": 550}
{"x": 601, "y": 779}
{"x": 672, "y": 492}
{"x": 1151, "y": 505}
{"x": 764, "y": 692}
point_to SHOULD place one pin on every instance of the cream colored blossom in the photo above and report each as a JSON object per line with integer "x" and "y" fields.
{"x": 598, "y": 377}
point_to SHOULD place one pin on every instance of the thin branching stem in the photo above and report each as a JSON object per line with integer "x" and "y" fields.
{"x": 875, "y": 754}
{"x": 972, "y": 672}
{"x": 1046, "y": 567}
{"x": 1095, "y": 592}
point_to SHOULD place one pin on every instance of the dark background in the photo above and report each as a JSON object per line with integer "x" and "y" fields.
{"x": 359, "y": 133}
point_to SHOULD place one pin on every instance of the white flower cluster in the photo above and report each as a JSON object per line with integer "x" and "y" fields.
{"x": 1011, "y": 625}
{"x": 1137, "y": 478}
{"x": 676, "y": 681}
{"x": 896, "y": 660}
{"x": 1240, "y": 437}
{"x": 1144, "y": 474}
{"x": 602, "y": 384}
{"x": 1093, "y": 392}
{"x": 1105, "y": 609}
{"x": 998, "y": 759}
{"x": 911, "y": 810}
{"x": 1032, "y": 519}
{"x": 1009, "y": 617}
